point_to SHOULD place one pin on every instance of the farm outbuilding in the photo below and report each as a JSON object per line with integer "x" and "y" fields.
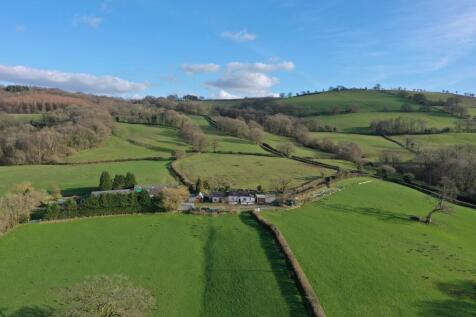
{"x": 241, "y": 198}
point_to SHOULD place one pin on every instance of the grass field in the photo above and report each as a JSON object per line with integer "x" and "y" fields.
{"x": 134, "y": 141}
{"x": 366, "y": 101}
{"x": 227, "y": 143}
{"x": 22, "y": 116}
{"x": 365, "y": 257}
{"x": 77, "y": 179}
{"x": 299, "y": 150}
{"x": 248, "y": 171}
{"x": 434, "y": 141}
{"x": 194, "y": 266}
{"x": 360, "y": 122}
{"x": 371, "y": 145}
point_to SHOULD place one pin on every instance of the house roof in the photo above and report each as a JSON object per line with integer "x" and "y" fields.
{"x": 111, "y": 192}
{"x": 240, "y": 193}
{"x": 260, "y": 196}
{"x": 217, "y": 194}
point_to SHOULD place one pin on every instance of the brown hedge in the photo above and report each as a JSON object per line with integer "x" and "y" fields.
{"x": 303, "y": 282}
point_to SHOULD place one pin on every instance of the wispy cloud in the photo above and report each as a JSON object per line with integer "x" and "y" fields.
{"x": 240, "y": 36}
{"x": 88, "y": 20}
{"x": 69, "y": 81}
{"x": 200, "y": 68}
{"x": 20, "y": 28}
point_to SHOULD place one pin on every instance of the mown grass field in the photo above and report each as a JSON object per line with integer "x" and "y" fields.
{"x": 247, "y": 171}
{"x": 79, "y": 179}
{"x": 371, "y": 145}
{"x": 194, "y": 266}
{"x": 360, "y": 122}
{"x": 133, "y": 141}
{"x": 364, "y": 256}
{"x": 366, "y": 101}
{"x": 434, "y": 141}
{"x": 226, "y": 142}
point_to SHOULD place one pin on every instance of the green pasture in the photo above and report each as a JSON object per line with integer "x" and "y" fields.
{"x": 360, "y": 122}
{"x": 436, "y": 141}
{"x": 227, "y": 143}
{"x": 248, "y": 171}
{"x": 365, "y": 257}
{"x": 78, "y": 179}
{"x": 371, "y": 145}
{"x": 194, "y": 266}
{"x": 133, "y": 141}
{"x": 364, "y": 100}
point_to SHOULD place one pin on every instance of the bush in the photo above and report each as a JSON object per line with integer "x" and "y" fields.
{"x": 385, "y": 171}
{"x": 408, "y": 177}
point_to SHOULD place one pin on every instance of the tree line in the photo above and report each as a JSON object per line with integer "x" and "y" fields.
{"x": 169, "y": 199}
{"x": 57, "y": 134}
{"x": 403, "y": 125}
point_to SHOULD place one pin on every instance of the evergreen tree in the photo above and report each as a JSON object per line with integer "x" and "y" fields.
{"x": 105, "y": 182}
{"x": 53, "y": 211}
{"x": 144, "y": 200}
{"x": 119, "y": 182}
{"x": 130, "y": 180}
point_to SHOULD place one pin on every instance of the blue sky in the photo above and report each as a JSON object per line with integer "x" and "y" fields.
{"x": 241, "y": 48}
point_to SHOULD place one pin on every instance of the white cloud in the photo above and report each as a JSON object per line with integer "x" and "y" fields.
{"x": 223, "y": 94}
{"x": 248, "y": 79}
{"x": 69, "y": 81}
{"x": 261, "y": 67}
{"x": 200, "y": 68}
{"x": 240, "y": 36}
{"x": 88, "y": 20}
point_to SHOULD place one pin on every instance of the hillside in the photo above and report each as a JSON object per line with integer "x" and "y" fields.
{"x": 365, "y": 257}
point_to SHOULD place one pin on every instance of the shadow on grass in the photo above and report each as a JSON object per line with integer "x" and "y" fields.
{"x": 288, "y": 287}
{"x": 79, "y": 191}
{"x": 29, "y": 311}
{"x": 381, "y": 214}
{"x": 461, "y": 304}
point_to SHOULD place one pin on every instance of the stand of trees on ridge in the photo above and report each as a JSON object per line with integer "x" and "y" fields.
{"x": 57, "y": 134}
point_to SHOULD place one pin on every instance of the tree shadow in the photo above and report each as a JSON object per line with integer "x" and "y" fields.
{"x": 77, "y": 191}
{"x": 29, "y": 311}
{"x": 462, "y": 304}
{"x": 281, "y": 269}
{"x": 381, "y": 214}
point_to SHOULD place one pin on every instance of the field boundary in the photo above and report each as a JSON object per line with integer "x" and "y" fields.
{"x": 397, "y": 143}
{"x": 315, "y": 306}
{"x": 152, "y": 158}
{"x": 178, "y": 175}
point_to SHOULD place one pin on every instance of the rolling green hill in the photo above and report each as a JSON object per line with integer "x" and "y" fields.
{"x": 365, "y": 257}
{"x": 360, "y": 122}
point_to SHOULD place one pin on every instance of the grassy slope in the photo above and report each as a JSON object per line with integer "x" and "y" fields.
{"x": 74, "y": 179}
{"x": 227, "y": 143}
{"x": 248, "y": 171}
{"x": 366, "y": 101}
{"x": 22, "y": 116}
{"x": 360, "y": 122}
{"x": 439, "y": 140}
{"x": 275, "y": 140}
{"x": 194, "y": 266}
{"x": 365, "y": 258}
{"x": 133, "y": 141}
{"x": 371, "y": 145}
